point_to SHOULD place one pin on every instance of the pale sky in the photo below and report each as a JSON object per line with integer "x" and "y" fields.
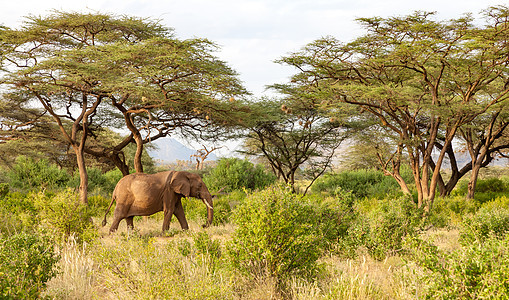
{"x": 252, "y": 33}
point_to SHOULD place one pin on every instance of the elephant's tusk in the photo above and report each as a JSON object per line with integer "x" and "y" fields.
{"x": 206, "y": 203}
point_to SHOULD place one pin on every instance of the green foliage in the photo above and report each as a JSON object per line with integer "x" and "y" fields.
{"x": 111, "y": 178}
{"x": 485, "y": 189}
{"x": 235, "y": 174}
{"x": 450, "y": 210}
{"x": 64, "y": 215}
{"x": 333, "y": 218}
{"x": 4, "y": 189}
{"x": 474, "y": 271}
{"x": 382, "y": 229}
{"x": 361, "y": 183}
{"x": 196, "y": 211}
{"x": 488, "y": 222}
{"x": 99, "y": 182}
{"x": 17, "y": 213}
{"x": 222, "y": 211}
{"x": 206, "y": 250}
{"x": 275, "y": 235}
{"x": 28, "y": 174}
{"x": 27, "y": 262}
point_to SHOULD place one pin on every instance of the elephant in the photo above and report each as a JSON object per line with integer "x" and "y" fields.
{"x": 142, "y": 194}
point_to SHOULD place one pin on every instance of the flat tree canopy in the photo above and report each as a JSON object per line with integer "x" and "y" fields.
{"x": 100, "y": 70}
{"x": 422, "y": 79}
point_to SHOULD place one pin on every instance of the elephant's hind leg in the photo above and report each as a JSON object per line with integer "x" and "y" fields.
{"x": 114, "y": 224}
{"x": 130, "y": 223}
{"x": 118, "y": 215}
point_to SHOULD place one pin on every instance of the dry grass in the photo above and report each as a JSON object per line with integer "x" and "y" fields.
{"x": 76, "y": 279}
{"x": 144, "y": 256}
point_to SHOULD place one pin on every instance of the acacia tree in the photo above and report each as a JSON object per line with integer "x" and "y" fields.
{"x": 483, "y": 142}
{"x": 89, "y": 69}
{"x": 26, "y": 129}
{"x": 201, "y": 155}
{"x": 294, "y": 132}
{"x": 176, "y": 85}
{"x": 422, "y": 79}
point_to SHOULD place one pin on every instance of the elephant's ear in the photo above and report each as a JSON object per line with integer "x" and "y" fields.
{"x": 179, "y": 183}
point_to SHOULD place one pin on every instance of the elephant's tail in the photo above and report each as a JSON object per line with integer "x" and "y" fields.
{"x": 108, "y": 210}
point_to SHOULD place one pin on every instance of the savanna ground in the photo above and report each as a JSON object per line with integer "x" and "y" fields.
{"x": 353, "y": 237}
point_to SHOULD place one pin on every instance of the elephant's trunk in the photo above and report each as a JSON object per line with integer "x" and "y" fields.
{"x": 210, "y": 210}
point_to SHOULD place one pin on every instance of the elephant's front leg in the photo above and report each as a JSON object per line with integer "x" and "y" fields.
{"x": 179, "y": 213}
{"x": 167, "y": 218}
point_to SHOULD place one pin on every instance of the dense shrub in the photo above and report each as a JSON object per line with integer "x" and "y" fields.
{"x": 382, "y": 225}
{"x": 98, "y": 182}
{"x": 275, "y": 235}
{"x": 450, "y": 210}
{"x": 361, "y": 183}
{"x": 333, "y": 218}
{"x": 28, "y": 173}
{"x": 485, "y": 189}
{"x": 17, "y": 213}
{"x": 234, "y": 174}
{"x": 4, "y": 189}
{"x": 474, "y": 271}
{"x": 64, "y": 215}
{"x": 489, "y": 221}
{"x": 27, "y": 262}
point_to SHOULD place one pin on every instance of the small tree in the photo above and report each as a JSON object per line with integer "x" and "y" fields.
{"x": 294, "y": 132}
{"x": 201, "y": 155}
{"x": 275, "y": 236}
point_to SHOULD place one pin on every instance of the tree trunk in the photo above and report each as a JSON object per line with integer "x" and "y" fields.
{"x": 138, "y": 166}
{"x": 402, "y": 184}
{"x": 121, "y": 165}
{"x": 83, "y": 188}
{"x": 473, "y": 181}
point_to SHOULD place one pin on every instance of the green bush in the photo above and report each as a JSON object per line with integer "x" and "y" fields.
{"x": 235, "y": 174}
{"x": 27, "y": 262}
{"x": 64, "y": 215}
{"x": 111, "y": 178}
{"x": 4, "y": 189}
{"x": 98, "y": 182}
{"x": 451, "y": 210}
{"x": 275, "y": 236}
{"x": 17, "y": 213}
{"x": 222, "y": 211}
{"x": 489, "y": 221}
{"x": 207, "y": 250}
{"x": 195, "y": 210}
{"x": 98, "y": 204}
{"x": 28, "y": 174}
{"x": 334, "y": 217}
{"x": 382, "y": 229}
{"x": 485, "y": 189}
{"x": 361, "y": 183}
{"x": 474, "y": 271}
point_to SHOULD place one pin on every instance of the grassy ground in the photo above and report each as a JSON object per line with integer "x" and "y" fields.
{"x": 146, "y": 264}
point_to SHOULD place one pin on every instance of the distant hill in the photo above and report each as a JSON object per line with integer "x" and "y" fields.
{"x": 169, "y": 150}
